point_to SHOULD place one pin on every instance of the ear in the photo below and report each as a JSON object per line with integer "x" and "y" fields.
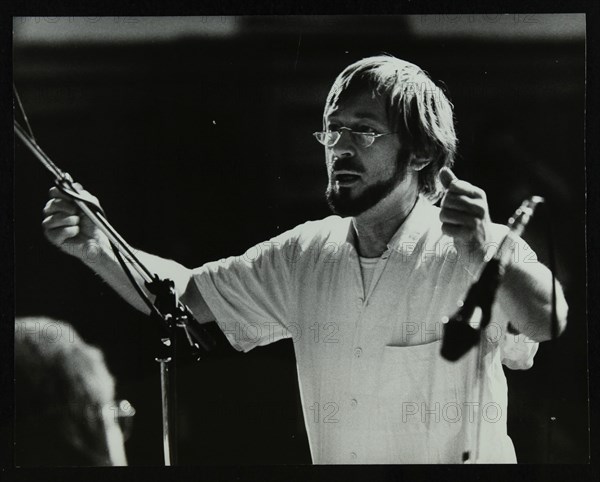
{"x": 418, "y": 163}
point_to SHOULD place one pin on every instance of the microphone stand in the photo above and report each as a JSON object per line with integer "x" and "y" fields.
{"x": 459, "y": 335}
{"x": 167, "y": 310}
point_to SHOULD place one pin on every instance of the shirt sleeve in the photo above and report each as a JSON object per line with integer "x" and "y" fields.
{"x": 250, "y": 294}
{"x": 517, "y": 351}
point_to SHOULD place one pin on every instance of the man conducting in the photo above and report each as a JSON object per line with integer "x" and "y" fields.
{"x": 364, "y": 293}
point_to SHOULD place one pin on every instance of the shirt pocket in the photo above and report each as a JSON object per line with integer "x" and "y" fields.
{"x": 418, "y": 402}
{"x": 421, "y": 305}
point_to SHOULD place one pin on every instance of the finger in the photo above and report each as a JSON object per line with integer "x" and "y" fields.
{"x": 456, "y": 231}
{"x": 447, "y": 177}
{"x": 459, "y": 186}
{"x": 54, "y": 192}
{"x": 56, "y": 205}
{"x": 456, "y": 217}
{"x": 453, "y": 184}
{"x": 59, "y": 235}
{"x": 60, "y": 220}
{"x": 79, "y": 188}
{"x": 462, "y": 202}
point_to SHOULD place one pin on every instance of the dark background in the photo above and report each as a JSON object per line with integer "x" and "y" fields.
{"x": 198, "y": 145}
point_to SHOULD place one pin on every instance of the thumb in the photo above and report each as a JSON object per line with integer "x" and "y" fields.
{"x": 447, "y": 177}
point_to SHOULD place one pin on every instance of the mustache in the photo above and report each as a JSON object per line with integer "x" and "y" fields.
{"x": 346, "y": 165}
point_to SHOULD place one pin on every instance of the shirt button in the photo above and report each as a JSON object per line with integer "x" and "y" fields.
{"x": 353, "y": 455}
{"x": 353, "y": 403}
{"x": 358, "y": 352}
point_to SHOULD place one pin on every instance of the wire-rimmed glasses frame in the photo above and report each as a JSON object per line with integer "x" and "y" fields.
{"x": 363, "y": 139}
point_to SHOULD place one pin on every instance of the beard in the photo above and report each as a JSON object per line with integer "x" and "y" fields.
{"x": 343, "y": 203}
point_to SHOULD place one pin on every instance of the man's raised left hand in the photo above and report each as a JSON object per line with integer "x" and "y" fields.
{"x": 464, "y": 212}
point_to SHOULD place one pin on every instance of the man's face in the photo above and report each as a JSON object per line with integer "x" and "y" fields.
{"x": 360, "y": 177}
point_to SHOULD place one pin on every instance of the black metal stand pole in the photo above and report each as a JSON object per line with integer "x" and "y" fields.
{"x": 167, "y": 311}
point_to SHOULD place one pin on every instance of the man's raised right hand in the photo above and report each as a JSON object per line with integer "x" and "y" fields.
{"x": 69, "y": 228}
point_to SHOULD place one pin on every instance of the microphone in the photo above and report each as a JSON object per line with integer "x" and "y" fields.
{"x": 459, "y": 336}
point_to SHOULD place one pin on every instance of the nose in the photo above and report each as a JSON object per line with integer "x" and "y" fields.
{"x": 344, "y": 147}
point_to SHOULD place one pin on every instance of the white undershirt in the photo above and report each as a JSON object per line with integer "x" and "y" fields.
{"x": 366, "y": 371}
{"x": 367, "y": 268}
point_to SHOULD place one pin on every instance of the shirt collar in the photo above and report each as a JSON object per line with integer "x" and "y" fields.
{"x": 413, "y": 227}
{"x": 408, "y": 234}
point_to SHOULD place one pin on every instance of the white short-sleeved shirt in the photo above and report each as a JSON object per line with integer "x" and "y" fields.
{"x": 373, "y": 384}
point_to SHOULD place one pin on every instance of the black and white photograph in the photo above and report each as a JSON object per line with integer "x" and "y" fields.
{"x": 300, "y": 240}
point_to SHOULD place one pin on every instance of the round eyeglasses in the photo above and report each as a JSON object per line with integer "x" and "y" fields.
{"x": 362, "y": 139}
